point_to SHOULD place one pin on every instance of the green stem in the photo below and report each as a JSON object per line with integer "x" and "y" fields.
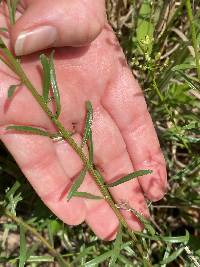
{"x": 67, "y": 136}
{"x": 155, "y": 86}
{"x": 194, "y": 36}
{"x": 38, "y": 235}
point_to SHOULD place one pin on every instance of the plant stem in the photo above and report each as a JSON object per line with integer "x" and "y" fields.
{"x": 67, "y": 136}
{"x": 155, "y": 86}
{"x": 38, "y": 235}
{"x": 194, "y": 36}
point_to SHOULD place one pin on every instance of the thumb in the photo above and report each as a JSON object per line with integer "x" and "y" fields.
{"x": 57, "y": 23}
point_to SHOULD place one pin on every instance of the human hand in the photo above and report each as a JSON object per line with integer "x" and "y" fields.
{"x": 123, "y": 134}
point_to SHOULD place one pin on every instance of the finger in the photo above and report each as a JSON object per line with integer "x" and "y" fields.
{"x": 37, "y": 158}
{"x": 111, "y": 157}
{"x": 51, "y": 23}
{"x": 125, "y": 103}
{"x": 95, "y": 217}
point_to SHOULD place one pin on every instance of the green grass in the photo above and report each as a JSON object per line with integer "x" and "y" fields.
{"x": 156, "y": 43}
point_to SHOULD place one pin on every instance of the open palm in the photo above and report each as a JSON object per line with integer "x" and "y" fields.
{"x": 123, "y": 134}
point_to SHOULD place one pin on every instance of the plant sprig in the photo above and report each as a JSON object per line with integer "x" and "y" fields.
{"x": 98, "y": 178}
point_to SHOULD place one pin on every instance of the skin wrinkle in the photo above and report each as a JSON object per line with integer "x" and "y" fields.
{"x": 135, "y": 124}
{"x": 58, "y": 194}
{"x": 116, "y": 158}
{"x": 41, "y": 162}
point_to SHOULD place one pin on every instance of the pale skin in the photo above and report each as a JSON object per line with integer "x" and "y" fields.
{"x": 123, "y": 133}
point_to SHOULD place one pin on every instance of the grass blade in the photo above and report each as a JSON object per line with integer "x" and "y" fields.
{"x": 88, "y": 123}
{"x": 87, "y": 195}
{"x": 54, "y": 85}
{"x": 46, "y": 77}
{"x": 22, "y": 252}
{"x": 167, "y": 253}
{"x": 99, "y": 259}
{"x": 129, "y": 177}
{"x": 173, "y": 256}
{"x": 117, "y": 248}
{"x": 40, "y": 259}
{"x": 167, "y": 239}
{"x": 29, "y": 129}
{"x": 77, "y": 183}
{"x": 188, "y": 80}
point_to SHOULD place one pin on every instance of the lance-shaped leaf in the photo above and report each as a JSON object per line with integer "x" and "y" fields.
{"x": 32, "y": 130}
{"x": 46, "y": 77}
{"x": 129, "y": 177}
{"x": 173, "y": 256}
{"x": 188, "y": 81}
{"x": 117, "y": 248}
{"x": 12, "y": 6}
{"x": 88, "y": 123}
{"x": 87, "y": 195}
{"x": 54, "y": 85}
{"x": 168, "y": 239}
{"x": 12, "y": 89}
{"x": 77, "y": 183}
{"x": 146, "y": 223}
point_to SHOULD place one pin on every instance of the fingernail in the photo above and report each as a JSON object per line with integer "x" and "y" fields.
{"x": 38, "y": 39}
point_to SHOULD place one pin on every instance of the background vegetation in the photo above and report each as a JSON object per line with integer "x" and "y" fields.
{"x": 160, "y": 40}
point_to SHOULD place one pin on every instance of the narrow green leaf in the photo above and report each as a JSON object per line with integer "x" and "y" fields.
{"x": 88, "y": 123}
{"x": 125, "y": 261}
{"x": 183, "y": 66}
{"x": 29, "y": 129}
{"x": 195, "y": 161}
{"x": 94, "y": 262}
{"x": 167, "y": 253}
{"x": 117, "y": 248}
{"x": 13, "y": 190}
{"x": 31, "y": 250}
{"x": 87, "y": 195}
{"x": 129, "y": 177}
{"x": 77, "y": 183}
{"x": 105, "y": 256}
{"x": 54, "y": 85}
{"x": 46, "y": 77}
{"x": 22, "y": 252}
{"x": 40, "y": 259}
{"x": 12, "y": 89}
{"x": 169, "y": 239}
{"x": 12, "y": 10}
{"x": 173, "y": 256}
{"x": 188, "y": 81}
{"x": 146, "y": 223}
